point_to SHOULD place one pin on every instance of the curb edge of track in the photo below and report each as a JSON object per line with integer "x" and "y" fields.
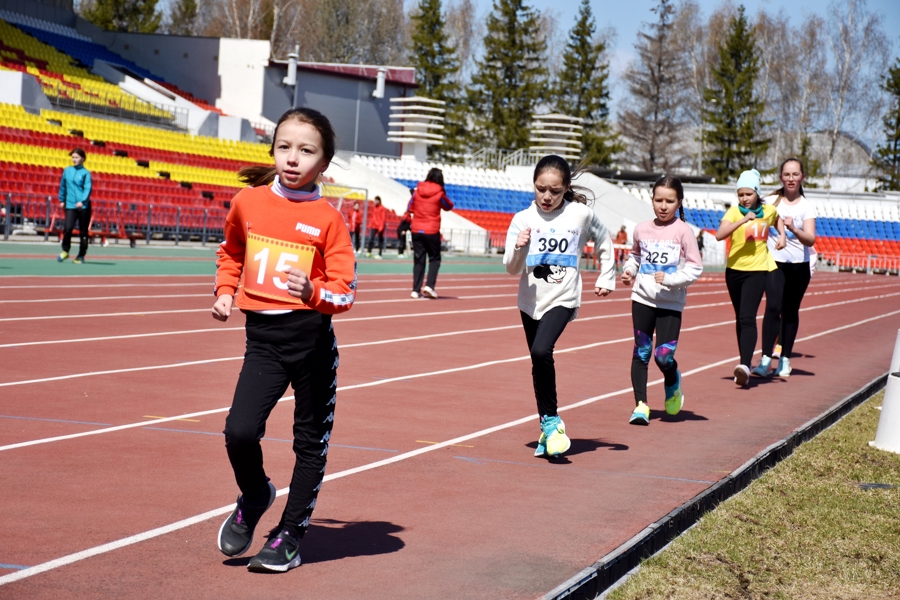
{"x": 589, "y": 583}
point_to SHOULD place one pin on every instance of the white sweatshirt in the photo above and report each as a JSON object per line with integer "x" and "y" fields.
{"x": 549, "y": 265}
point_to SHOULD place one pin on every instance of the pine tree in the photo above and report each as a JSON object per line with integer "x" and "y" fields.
{"x": 135, "y": 16}
{"x": 510, "y": 79}
{"x": 582, "y": 89}
{"x": 888, "y": 153}
{"x": 437, "y": 69}
{"x": 733, "y": 113}
{"x": 183, "y": 17}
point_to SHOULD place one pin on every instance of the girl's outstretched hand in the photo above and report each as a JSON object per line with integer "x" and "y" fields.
{"x": 221, "y": 310}
{"x": 299, "y": 285}
{"x": 524, "y": 238}
{"x": 601, "y": 291}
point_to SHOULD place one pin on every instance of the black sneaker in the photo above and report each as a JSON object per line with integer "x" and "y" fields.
{"x": 280, "y": 553}
{"x": 236, "y": 533}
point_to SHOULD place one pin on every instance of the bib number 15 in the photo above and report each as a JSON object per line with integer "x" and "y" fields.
{"x": 285, "y": 262}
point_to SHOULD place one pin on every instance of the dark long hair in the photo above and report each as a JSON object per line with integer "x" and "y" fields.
{"x": 672, "y": 183}
{"x": 780, "y": 192}
{"x": 258, "y": 175}
{"x": 435, "y": 175}
{"x": 558, "y": 163}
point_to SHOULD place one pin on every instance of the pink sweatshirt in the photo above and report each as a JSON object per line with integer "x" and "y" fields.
{"x": 670, "y": 248}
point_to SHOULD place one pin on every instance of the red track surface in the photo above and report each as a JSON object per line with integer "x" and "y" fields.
{"x": 461, "y": 512}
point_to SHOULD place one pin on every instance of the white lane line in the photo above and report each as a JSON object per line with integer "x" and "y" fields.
{"x": 153, "y": 533}
{"x": 120, "y": 337}
{"x": 89, "y": 298}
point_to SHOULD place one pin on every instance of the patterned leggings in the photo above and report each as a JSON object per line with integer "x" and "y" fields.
{"x": 667, "y": 324}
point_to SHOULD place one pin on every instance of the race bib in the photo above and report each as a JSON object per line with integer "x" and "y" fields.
{"x": 266, "y": 260}
{"x": 550, "y": 246}
{"x": 660, "y": 256}
{"x": 756, "y": 230}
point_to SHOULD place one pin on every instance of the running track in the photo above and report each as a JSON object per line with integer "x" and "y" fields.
{"x": 115, "y": 478}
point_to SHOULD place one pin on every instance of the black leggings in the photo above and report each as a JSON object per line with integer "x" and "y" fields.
{"x": 82, "y": 218}
{"x": 541, "y": 337}
{"x": 426, "y": 244}
{"x": 297, "y": 349}
{"x": 371, "y": 244}
{"x": 746, "y": 290}
{"x": 667, "y": 324}
{"x": 785, "y": 288}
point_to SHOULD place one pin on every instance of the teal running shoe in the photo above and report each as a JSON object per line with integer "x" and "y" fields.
{"x": 762, "y": 369}
{"x": 674, "y": 396}
{"x": 541, "y": 449}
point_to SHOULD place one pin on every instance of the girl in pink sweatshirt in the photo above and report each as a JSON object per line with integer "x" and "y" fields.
{"x": 664, "y": 260}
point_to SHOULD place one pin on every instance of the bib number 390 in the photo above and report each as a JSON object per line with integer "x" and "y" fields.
{"x": 553, "y": 245}
{"x": 265, "y": 263}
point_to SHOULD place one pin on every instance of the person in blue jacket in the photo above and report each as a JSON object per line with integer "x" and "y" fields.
{"x": 75, "y": 200}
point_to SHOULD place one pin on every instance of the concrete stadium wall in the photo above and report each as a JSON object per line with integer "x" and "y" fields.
{"x": 360, "y": 121}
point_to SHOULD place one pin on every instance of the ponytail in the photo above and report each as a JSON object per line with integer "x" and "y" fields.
{"x": 256, "y": 175}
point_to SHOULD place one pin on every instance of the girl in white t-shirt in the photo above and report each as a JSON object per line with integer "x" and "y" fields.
{"x": 786, "y": 285}
{"x": 543, "y": 247}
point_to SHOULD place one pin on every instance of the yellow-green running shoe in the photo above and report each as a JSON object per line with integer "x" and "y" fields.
{"x": 62, "y": 256}
{"x": 541, "y": 449}
{"x": 641, "y": 414}
{"x": 554, "y": 430}
{"x": 674, "y": 396}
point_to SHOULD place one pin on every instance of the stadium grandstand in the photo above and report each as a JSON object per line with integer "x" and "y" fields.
{"x": 164, "y": 156}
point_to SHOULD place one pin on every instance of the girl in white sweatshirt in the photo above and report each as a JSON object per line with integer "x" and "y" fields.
{"x": 543, "y": 245}
{"x": 664, "y": 260}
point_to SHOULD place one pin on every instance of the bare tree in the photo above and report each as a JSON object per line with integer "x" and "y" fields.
{"x": 464, "y": 31}
{"x": 652, "y": 125}
{"x": 699, "y": 45}
{"x": 860, "y": 54}
{"x": 362, "y": 32}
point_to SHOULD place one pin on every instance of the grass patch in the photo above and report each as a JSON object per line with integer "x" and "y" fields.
{"x": 803, "y": 530}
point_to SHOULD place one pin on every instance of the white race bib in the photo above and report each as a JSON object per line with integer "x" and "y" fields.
{"x": 660, "y": 256}
{"x": 554, "y": 246}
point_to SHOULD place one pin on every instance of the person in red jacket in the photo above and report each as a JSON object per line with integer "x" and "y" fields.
{"x": 287, "y": 263}
{"x": 356, "y": 227}
{"x": 376, "y": 227}
{"x": 425, "y": 206}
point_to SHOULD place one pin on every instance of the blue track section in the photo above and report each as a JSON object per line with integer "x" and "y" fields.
{"x": 85, "y": 52}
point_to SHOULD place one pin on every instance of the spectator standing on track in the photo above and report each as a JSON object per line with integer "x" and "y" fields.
{"x": 749, "y": 262}
{"x": 75, "y": 200}
{"x": 356, "y": 227}
{"x": 376, "y": 227}
{"x": 787, "y": 284}
{"x": 621, "y": 240}
{"x": 288, "y": 258}
{"x": 543, "y": 245}
{"x": 663, "y": 261}
{"x": 402, "y": 228}
{"x": 425, "y": 206}
{"x": 700, "y": 242}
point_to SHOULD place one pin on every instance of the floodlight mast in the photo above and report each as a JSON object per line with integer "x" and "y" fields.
{"x": 291, "y": 78}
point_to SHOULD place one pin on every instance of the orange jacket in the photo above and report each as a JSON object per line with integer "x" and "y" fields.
{"x": 315, "y": 223}
{"x": 377, "y": 216}
{"x": 426, "y": 205}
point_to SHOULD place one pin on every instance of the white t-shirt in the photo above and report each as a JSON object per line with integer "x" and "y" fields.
{"x": 794, "y": 251}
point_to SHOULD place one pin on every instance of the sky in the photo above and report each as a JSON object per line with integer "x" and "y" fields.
{"x": 626, "y": 18}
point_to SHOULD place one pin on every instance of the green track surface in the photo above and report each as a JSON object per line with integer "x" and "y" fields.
{"x": 38, "y": 259}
